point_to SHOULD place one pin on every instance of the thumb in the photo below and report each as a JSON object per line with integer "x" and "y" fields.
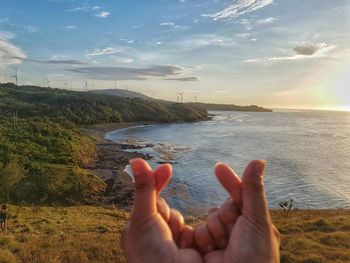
{"x": 145, "y": 190}
{"x": 253, "y": 191}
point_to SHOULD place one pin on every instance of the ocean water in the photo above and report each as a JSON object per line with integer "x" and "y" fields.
{"x": 307, "y": 153}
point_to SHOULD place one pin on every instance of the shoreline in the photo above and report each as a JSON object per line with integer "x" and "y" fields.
{"x": 111, "y": 162}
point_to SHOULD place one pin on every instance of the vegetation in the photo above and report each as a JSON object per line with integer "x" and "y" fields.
{"x": 83, "y": 234}
{"x": 204, "y": 106}
{"x": 229, "y": 107}
{"x": 87, "y": 108}
{"x": 42, "y": 161}
{"x": 43, "y": 153}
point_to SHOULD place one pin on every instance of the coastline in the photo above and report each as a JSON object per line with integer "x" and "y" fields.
{"x": 111, "y": 162}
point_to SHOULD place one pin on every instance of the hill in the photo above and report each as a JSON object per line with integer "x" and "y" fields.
{"x": 229, "y": 107}
{"x": 44, "y": 153}
{"x": 121, "y": 93}
{"x": 204, "y": 106}
{"x": 89, "y": 108}
{"x": 84, "y": 234}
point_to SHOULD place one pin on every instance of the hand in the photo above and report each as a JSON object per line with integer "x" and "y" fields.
{"x": 156, "y": 233}
{"x": 240, "y": 230}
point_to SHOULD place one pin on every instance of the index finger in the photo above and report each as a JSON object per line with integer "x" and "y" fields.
{"x": 230, "y": 181}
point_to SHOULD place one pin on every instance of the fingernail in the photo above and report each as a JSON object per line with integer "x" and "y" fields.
{"x": 210, "y": 248}
{"x": 223, "y": 243}
{"x": 259, "y": 167}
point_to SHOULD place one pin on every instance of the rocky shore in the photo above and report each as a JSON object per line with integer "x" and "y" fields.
{"x": 111, "y": 163}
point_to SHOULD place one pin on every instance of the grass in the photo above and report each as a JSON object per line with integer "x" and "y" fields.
{"x": 83, "y": 234}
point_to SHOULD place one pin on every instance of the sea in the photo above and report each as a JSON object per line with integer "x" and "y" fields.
{"x": 307, "y": 154}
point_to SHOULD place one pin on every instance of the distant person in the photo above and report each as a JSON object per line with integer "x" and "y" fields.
{"x": 3, "y": 218}
{"x": 240, "y": 230}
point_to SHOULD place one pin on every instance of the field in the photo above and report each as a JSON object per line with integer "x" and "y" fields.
{"x": 82, "y": 234}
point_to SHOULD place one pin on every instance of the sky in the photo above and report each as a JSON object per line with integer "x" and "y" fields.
{"x": 273, "y": 53}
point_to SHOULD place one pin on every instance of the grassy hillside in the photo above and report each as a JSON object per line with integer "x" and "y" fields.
{"x": 88, "y": 108}
{"x": 204, "y": 106}
{"x": 42, "y": 162}
{"x": 92, "y": 234}
{"x": 43, "y": 156}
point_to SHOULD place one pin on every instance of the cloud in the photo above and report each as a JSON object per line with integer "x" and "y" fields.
{"x": 86, "y": 8}
{"x": 205, "y": 40}
{"x": 102, "y": 52}
{"x": 124, "y": 73}
{"x": 184, "y": 79}
{"x": 124, "y": 60}
{"x": 309, "y": 49}
{"x": 9, "y": 53}
{"x": 57, "y": 61}
{"x": 31, "y": 29}
{"x": 103, "y": 14}
{"x": 71, "y": 27}
{"x": 303, "y": 51}
{"x": 240, "y": 7}
{"x": 167, "y": 24}
{"x": 267, "y": 20}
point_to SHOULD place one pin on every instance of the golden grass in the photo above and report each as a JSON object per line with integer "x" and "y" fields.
{"x": 85, "y": 234}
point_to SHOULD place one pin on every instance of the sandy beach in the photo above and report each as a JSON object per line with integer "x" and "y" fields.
{"x": 111, "y": 163}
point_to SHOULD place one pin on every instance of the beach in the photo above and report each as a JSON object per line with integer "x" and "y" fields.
{"x": 110, "y": 164}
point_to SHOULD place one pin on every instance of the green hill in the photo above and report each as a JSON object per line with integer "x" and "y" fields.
{"x": 43, "y": 154}
{"x": 89, "y": 108}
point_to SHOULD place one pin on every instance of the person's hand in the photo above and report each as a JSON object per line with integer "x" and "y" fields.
{"x": 240, "y": 230}
{"x": 156, "y": 233}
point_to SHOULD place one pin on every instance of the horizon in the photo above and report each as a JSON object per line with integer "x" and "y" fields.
{"x": 271, "y": 53}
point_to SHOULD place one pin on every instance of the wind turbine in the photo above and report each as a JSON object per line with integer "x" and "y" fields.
{"x": 181, "y": 96}
{"x": 48, "y": 82}
{"x": 196, "y": 98}
{"x": 16, "y": 77}
{"x": 85, "y": 85}
{"x": 126, "y": 89}
{"x": 66, "y": 83}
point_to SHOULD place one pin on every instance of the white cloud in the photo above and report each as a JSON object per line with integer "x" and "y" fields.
{"x": 86, "y": 8}
{"x": 103, "y": 14}
{"x": 124, "y": 60}
{"x": 167, "y": 24}
{"x": 9, "y": 53}
{"x": 102, "y": 52}
{"x": 267, "y": 20}
{"x": 71, "y": 27}
{"x": 240, "y": 7}
{"x": 205, "y": 40}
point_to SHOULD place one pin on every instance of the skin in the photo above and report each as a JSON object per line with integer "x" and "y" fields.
{"x": 240, "y": 230}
